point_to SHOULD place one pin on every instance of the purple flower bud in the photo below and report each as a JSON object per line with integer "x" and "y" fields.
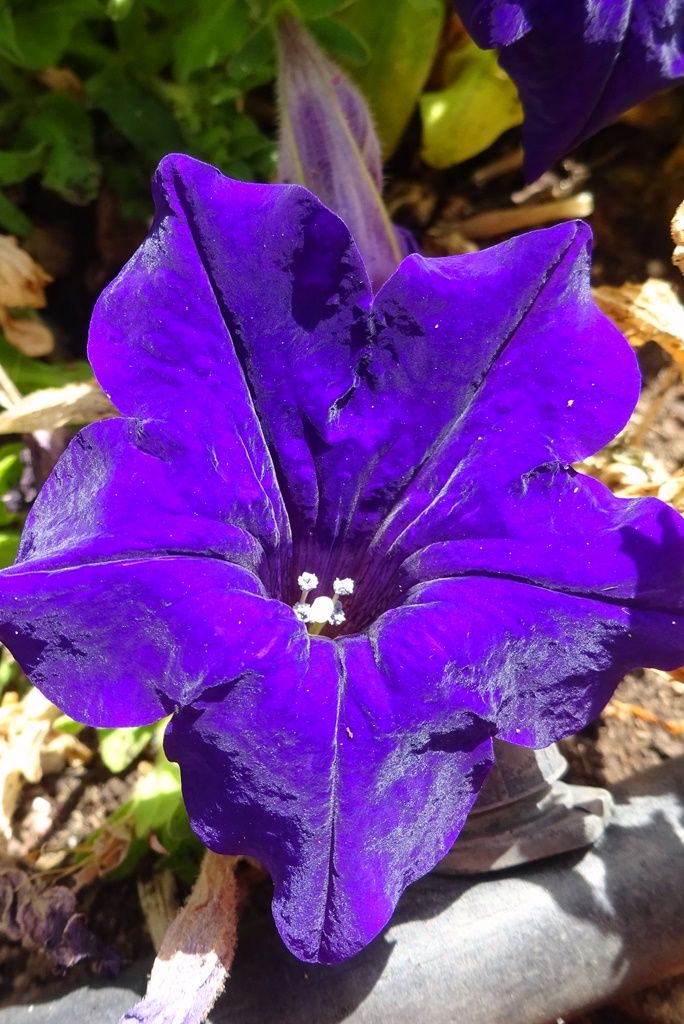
{"x": 329, "y": 144}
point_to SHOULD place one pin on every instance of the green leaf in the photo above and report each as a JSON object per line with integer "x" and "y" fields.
{"x": 38, "y": 33}
{"x": 11, "y": 466}
{"x": 12, "y": 219}
{"x": 254, "y": 63}
{"x": 466, "y": 117}
{"x": 156, "y": 798}
{"x": 120, "y": 747}
{"x": 9, "y": 543}
{"x": 218, "y": 29}
{"x": 11, "y": 469}
{"x": 341, "y": 42}
{"x": 140, "y": 116}
{"x": 60, "y": 123}
{"x": 31, "y": 374}
{"x": 9, "y": 46}
{"x": 312, "y": 9}
{"x": 10, "y": 673}
{"x": 402, "y": 38}
{"x": 119, "y": 9}
{"x": 68, "y": 725}
{"x": 18, "y": 165}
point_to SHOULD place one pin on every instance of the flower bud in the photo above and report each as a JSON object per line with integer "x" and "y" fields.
{"x": 329, "y": 144}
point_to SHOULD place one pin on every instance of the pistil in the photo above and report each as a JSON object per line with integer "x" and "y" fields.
{"x": 323, "y": 610}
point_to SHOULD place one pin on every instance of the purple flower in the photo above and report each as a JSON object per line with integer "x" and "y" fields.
{"x": 578, "y": 64}
{"x": 338, "y": 537}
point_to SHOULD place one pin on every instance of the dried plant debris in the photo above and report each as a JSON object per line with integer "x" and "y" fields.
{"x": 631, "y": 472}
{"x": 196, "y": 953}
{"x": 651, "y": 311}
{"x": 45, "y": 918}
{"x": 51, "y": 408}
{"x": 30, "y": 747}
{"x": 22, "y": 290}
{"x": 677, "y": 230}
{"x": 623, "y": 709}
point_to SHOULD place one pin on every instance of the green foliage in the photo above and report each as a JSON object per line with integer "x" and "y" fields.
{"x": 120, "y": 747}
{"x": 155, "y": 809}
{"x": 11, "y": 468}
{"x": 136, "y": 79}
{"x": 477, "y": 105}
{"x": 32, "y": 374}
{"x": 400, "y": 39}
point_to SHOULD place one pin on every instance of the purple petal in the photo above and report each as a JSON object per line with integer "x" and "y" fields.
{"x": 481, "y": 389}
{"x": 558, "y": 529}
{"x": 244, "y": 297}
{"x": 625, "y": 51}
{"x": 124, "y": 489}
{"x": 546, "y": 662}
{"x": 122, "y": 642}
{"x": 391, "y": 769}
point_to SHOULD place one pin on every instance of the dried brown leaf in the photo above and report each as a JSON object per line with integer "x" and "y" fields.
{"x": 158, "y": 899}
{"x": 22, "y": 280}
{"x": 677, "y": 231}
{"x": 651, "y": 311}
{"x": 22, "y": 286}
{"x": 56, "y": 407}
{"x": 28, "y": 334}
{"x": 108, "y": 851}
{"x": 622, "y": 709}
{"x": 493, "y": 223}
{"x": 28, "y": 744}
{"x": 46, "y": 918}
{"x": 63, "y": 80}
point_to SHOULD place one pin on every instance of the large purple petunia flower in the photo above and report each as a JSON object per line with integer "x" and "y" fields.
{"x": 578, "y": 64}
{"x": 282, "y": 423}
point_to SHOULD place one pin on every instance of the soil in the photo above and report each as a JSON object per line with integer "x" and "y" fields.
{"x": 635, "y": 171}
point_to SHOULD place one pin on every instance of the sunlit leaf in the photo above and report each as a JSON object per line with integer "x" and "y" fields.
{"x": 401, "y": 38}
{"x": 9, "y": 543}
{"x": 120, "y": 747}
{"x": 31, "y": 374}
{"x": 471, "y": 112}
{"x": 68, "y": 725}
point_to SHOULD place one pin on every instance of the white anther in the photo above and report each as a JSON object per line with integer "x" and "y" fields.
{"x": 302, "y": 611}
{"x": 337, "y": 617}
{"x": 308, "y": 581}
{"x": 343, "y": 588}
{"x": 321, "y": 609}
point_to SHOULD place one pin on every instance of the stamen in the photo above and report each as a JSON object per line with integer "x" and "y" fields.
{"x": 322, "y": 610}
{"x": 302, "y": 611}
{"x": 343, "y": 588}
{"x": 308, "y": 581}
